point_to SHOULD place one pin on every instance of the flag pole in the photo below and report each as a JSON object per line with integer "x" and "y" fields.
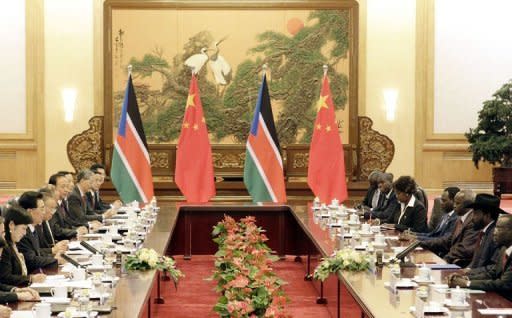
{"x": 130, "y": 70}
{"x": 325, "y": 67}
{"x": 264, "y": 69}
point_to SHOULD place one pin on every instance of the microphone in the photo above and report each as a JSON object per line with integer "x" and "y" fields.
{"x": 90, "y": 247}
{"x": 400, "y": 256}
{"x": 71, "y": 261}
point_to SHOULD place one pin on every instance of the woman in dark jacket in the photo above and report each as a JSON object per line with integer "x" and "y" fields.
{"x": 13, "y": 270}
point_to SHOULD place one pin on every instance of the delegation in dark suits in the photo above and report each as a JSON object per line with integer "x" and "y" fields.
{"x": 444, "y": 228}
{"x": 485, "y": 248}
{"x": 78, "y": 211}
{"x": 46, "y": 239}
{"x": 414, "y": 217}
{"x": 388, "y": 205}
{"x": 35, "y": 258}
{"x": 10, "y": 268}
{"x": 457, "y": 248}
{"x": 497, "y": 279}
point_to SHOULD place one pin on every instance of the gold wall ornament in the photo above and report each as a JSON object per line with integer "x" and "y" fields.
{"x": 159, "y": 159}
{"x": 86, "y": 148}
{"x": 228, "y": 160}
{"x": 376, "y": 150}
{"x": 300, "y": 160}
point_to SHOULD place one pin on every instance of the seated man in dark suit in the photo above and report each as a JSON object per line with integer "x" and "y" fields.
{"x": 77, "y": 202}
{"x": 98, "y": 168}
{"x": 411, "y": 213}
{"x": 94, "y": 201}
{"x": 388, "y": 203}
{"x": 484, "y": 220}
{"x": 30, "y": 245}
{"x": 457, "y": 248}
{"x": 447, "y": 223}
{"x": 373, "y": 194}
{"x": 499, "y": 278}
{"x": 61, "y": 225}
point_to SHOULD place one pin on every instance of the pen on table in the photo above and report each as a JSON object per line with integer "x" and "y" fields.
{"x": 41, "y": 270}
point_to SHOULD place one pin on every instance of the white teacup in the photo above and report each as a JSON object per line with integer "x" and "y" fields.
{"x": 42, "y": 310}
{"x": 107, "y": 238}
{"x": 424, "y": 273}
{"x": 365, "y": 228}
{"x": 97, "y": 259}
{"x": 113, "y": 230}
{"x": 79, "y": 274}
{"x": 434, "y": 306}
{"x": 458, "y": 296}
{"x": 354, "y": 218}
{"x": 335, "y": 202}
{"x": 375, "y": 228}
{"x": 59, "y": 291}
{"x": 380, "y": 239}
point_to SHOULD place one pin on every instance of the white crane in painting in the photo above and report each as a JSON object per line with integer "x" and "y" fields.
{"x": 218, "y": 65}
{"x": 197, "y": 61}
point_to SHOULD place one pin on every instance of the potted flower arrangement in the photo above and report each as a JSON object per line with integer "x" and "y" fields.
{"x": 243, "y": 270}
{"x": 147, "y": 258}
{"x": 345, "y": 259}
{"x": 491, "y": 139}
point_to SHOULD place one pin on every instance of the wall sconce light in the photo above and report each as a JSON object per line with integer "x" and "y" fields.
{"x": 69, "y": 102}
{"x": 390, "y": 99}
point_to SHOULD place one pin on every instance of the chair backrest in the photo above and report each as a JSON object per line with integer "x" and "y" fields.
{"x": 422, "y": 196}
{"x": 435, "y": 215}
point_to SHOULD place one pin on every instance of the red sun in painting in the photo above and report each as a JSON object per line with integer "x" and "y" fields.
{"x": 294, "y": 25}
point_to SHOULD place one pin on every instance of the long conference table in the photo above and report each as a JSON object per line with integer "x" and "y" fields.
{"x": 292, "y": 230}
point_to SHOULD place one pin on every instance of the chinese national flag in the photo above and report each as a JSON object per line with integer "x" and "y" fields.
{"x": 326, "y": 170}
{"x": 194, "y": 168}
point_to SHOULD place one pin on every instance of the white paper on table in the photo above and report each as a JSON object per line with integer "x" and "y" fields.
{"x": 74, "y": 245}
{"x": 79, "y": 284}
{"x": 22, "y": 314}
{"x": 52, "y": 278}
{"x": 495, "y": 311}
{"x": 68, "y": 268}
{"x": 79, "y": 252}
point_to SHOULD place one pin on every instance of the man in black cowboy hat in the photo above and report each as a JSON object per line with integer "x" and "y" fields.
{"x": 498, "y": 277}
{"x": 486, "y": 210}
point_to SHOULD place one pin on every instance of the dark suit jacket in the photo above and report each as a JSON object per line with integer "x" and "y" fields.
{"x": 384, "y": 211}
{"x": 414, "y": 218}
{"x": 498, "y": 279}
{"x": 10, "y": 268}
{"x": 6, "y": 296}
{"x": 442, "y": 229}
{"x": 78, "y": 210}
{"x": 29, "y": 246}
{"x": 61, "y": 228}
{"x": 367, "y": 201}
{"x": 485, "y": 249}
{"x": 95, "y": 203}
{"x": 458, "y": 248}
{"x": 46, "y": 241}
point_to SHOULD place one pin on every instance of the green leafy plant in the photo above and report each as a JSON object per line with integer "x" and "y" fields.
{"x": 247, "y": 285}
{"x": 345, "y": 259}
{"x": 491, "y": 139}
{"x": 146, "y": 259}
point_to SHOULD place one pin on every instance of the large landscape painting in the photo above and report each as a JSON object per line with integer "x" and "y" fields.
{"x": 235, "y": 43}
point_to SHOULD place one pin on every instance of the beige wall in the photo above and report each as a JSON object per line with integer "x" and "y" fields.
{"x": 390, "y": 63}
{"x": 69, "y": 63}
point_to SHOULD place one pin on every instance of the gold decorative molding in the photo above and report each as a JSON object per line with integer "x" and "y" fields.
{"x": 300, "y": 160}
{"x": 228, "y": 160}
{"x": 159, "y": 159}
{"x": 86, "y": 148}
{"x": 376, "y": 150}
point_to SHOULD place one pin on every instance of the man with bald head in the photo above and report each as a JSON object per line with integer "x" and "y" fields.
{"x": 499, "y": 277}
